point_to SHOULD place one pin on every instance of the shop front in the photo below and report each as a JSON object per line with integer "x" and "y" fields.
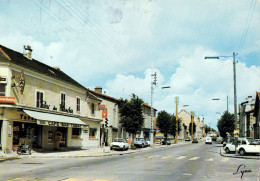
{"x": 43, "y": 130}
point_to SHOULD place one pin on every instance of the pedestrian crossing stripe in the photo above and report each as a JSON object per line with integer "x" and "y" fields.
{"x": 194, "y": 158}
{"x": 210, "y": 160}
{"x": 225, "y": 159}
{"x": 70, "y": 179}
{"x": 181, "y": 157}
{"x": 166, "y": 157}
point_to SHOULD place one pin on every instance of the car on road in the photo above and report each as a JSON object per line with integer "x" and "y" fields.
{"x": 119, "y": 144}
{"x": 195, "y": 140}
{"x": 219, "y": 140}
{"x": 208, "y": 140}
{"x": 166, "y": 141}
{"x": 140, "y": 142}
{"x": 187, "y": 138}
{"x": 248, "y": 145}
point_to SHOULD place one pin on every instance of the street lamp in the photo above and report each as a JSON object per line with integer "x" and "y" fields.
{"x": 235, "y": 90}
{"x": 217, "y": 99}
{"x": 177, "y": 100}
{"x": 234, "y": 77}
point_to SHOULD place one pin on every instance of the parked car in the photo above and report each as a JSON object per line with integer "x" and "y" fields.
{"x": 166, "y": 141}
{"x": 187, "y": 138}
{"x": 148, "y": 141}
{"x": 195, "y": 140}
{"x": 228, "y": 140}
{"x": 140, "y": 142}
{"x": 208, "y": 140}
{"x": 248, "y": 145}
{"x": 119, "y": 144}
{"x": 230, "y": 147}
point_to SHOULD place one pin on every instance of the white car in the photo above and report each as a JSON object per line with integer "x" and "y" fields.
{"x": 208, "y": 140}
{"x": 119, "y": 144}
{"x": 248, "y": 145}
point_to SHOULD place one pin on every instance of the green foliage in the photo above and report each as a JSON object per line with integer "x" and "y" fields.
{"x": 131, "y": 114}
{"x": 164, "y": 122}
{"x": 226, "y": 124}
{"x": 173, "y": 127}
{"x": 194, "y": 128}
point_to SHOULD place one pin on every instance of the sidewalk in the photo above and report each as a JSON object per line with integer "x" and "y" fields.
{"x": 91, "y": 152}
{"x": 233, "y": 155}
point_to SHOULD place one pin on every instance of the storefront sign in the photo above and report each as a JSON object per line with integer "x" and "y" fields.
{"x": 60, "y": 124}
{"x": 7, "y": 100}
{"x": 22, "y": 82}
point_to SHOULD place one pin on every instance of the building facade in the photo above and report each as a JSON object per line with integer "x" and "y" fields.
{"x": 44, "y": 105}
{"x": 256, "y": 125}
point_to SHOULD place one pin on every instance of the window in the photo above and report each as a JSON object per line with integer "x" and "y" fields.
{"x": 39, "y": 99}
{"x": 76, "y": 132}
{"x": 78, "y": 104}
{"x": 2, "y": 89}
{"x": 92, "y": 132}
{"x": 92, "y": 108}
{"x": 63, "y": 98}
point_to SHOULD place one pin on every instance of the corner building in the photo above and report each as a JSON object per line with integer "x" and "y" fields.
{"x": 43, "y": 104}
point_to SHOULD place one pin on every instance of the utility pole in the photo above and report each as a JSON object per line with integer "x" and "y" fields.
{"x": 177, "y": 123}
{"x": 153, "y": 83}
{"x": 192, "y": 117}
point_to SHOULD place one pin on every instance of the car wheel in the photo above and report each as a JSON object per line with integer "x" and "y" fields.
{"x": 242, "y": 152}
{"x": 123, "y": 147}
{"x": 227, "y": 150}
{"x": 19, "y": 151}
{"x": 111, "y": 148}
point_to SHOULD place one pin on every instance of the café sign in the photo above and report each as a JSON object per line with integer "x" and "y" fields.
{"x": 60, "y": 124}
{"x": 7, "y": 100}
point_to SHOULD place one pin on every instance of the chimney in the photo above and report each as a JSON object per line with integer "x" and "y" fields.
{"x": 98, "y": 89}
{"x": 27, "y": 51}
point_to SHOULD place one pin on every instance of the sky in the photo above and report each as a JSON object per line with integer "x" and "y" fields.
{"x": 118, "y": 44}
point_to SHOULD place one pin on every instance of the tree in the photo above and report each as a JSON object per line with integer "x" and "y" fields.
{"x": 164, "y": 122}
{"x": 173, "y": 127}
{"x": 194, "y": 128}
{"x": 226, "y": 123}
{"x": 131, "y": 114}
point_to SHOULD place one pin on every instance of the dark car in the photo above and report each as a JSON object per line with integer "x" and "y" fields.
{"x": 166, "y": 141}
{"x": 195, "y": 140}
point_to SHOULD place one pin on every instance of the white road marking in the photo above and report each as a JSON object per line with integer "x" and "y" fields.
{"x": 225, "y": 159}
{"x": 166, "y": 157}
{"x": 186, "y": 174}
{"x": 181, "y": 157}
{"x": 210, "y": 160}
{"x": 194, "y": 158}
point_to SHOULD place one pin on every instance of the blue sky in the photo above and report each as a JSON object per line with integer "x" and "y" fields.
{"x": 116, "y": 44}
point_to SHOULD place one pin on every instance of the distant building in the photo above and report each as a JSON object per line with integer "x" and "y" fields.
{"x": 246, "y": 118}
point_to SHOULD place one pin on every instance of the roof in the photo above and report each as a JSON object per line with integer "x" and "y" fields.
{"x": 104, "y": 96}
{"x": 147, "y": 105}
{"x": 11, "y": 56}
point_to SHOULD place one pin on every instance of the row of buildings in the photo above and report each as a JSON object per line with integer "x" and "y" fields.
{"x": 45, "y": 105}
{"x": 249, "y": 117}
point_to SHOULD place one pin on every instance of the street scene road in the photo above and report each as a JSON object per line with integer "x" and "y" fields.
{"x": 186, "y": 161}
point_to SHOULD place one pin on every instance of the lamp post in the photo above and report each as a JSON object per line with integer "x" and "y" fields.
{"x": 177, "y": 101}
{"x": 235, "y": 90}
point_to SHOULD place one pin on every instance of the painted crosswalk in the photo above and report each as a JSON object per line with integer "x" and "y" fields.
{"x": 194, "y": 158}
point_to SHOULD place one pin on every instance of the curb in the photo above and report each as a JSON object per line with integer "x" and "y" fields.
{"x": 100, "y": 154}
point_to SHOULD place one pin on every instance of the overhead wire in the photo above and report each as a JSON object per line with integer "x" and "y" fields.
{"x": 90, "y": 30}
{"x": 102, "y": 32}
{"x": 247, "y": 24}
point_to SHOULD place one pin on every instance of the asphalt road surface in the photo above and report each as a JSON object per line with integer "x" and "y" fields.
{"x": 183, "y": 162}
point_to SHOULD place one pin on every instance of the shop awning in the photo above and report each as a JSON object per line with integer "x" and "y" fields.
{"x": 55, "y": 119}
